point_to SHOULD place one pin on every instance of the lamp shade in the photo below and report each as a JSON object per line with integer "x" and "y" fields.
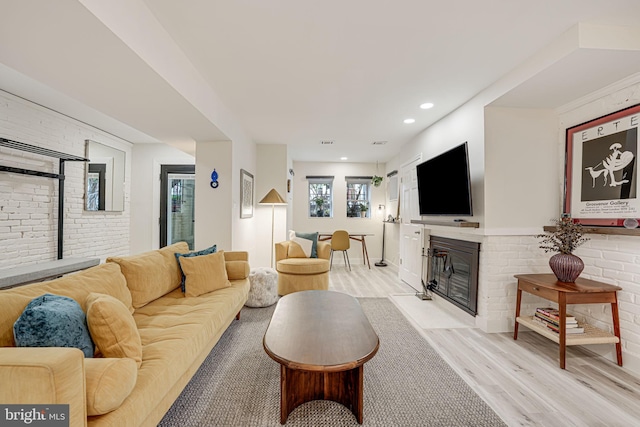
{"x": 272, "y": 198}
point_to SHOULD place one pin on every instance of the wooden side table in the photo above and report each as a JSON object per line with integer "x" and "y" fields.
{"x": 583, "y": 291}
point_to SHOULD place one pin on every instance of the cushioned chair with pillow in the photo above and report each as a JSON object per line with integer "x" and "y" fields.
{"x": 296, "y": 272}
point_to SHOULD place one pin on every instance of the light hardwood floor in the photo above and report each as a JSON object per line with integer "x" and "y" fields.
{"x": 519, "y": 379}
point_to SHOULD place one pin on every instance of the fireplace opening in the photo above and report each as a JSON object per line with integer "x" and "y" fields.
{"x": 453, "y": 271}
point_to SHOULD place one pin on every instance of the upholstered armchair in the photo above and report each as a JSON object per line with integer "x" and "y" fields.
{"x": 297, "y": 273}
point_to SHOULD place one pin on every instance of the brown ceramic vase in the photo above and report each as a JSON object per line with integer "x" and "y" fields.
{"x": 566, "y": 267}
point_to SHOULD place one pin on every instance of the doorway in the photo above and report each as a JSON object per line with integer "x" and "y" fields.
{"x": 411, "y": 235}
{"x": 177, "y": 204}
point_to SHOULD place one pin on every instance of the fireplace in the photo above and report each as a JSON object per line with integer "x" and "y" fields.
{"x": 453, "y": 271}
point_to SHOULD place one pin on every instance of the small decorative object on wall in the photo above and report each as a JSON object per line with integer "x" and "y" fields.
{"x": 601, "y": 169}
{"x": 566, "y": 237}
{"x": 246, "y": 194}
{"x": 214, "y": 179}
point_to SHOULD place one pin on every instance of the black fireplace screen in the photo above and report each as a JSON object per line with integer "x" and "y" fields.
{"x": 453, "y": 271}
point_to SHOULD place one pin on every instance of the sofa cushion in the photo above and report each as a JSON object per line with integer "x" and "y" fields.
{"x": 205, "y": 273}
{"x": 108, "y": 383}
{"x": 152, "y": 274}
{"x": 303, "y": 266}
{"x": 112, "y": 328}
{"x": 210, "y": 250}
{"x": 53, "y": 321}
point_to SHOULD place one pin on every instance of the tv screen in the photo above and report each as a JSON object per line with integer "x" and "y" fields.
{"x": 444, "y": 186}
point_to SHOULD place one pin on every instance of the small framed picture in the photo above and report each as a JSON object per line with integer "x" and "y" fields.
{"x": 246, "y": 194}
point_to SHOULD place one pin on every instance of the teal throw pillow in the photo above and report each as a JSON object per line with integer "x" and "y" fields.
{"x": 211, "y": 250}
{"x": 53, "y": 321}
{"x": 314, "y": 238}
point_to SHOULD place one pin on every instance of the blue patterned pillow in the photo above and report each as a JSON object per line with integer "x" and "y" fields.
{"x": 53, "y": 321}
{"x": 211, "y": 250}
{"x": 314, "y": 238}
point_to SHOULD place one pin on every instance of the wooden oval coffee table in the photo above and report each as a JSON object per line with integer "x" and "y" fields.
{"x": 321, "y": 340}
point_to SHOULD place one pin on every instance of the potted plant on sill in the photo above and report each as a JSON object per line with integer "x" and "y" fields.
{"x": 566, "y": 237}
{"x": 319, "y": 201}
{"x": 363, "y": 210}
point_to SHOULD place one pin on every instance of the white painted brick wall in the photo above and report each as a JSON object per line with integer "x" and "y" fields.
{"x": 29, "y": 205}
{"x": 609, "y": 259}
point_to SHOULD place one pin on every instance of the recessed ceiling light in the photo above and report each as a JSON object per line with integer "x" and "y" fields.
{"x": 343, "y": 158}
{"x": 409, "y": 121}
{"x": 426, "y": 105}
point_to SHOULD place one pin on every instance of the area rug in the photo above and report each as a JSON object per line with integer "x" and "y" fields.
{"x": 405, "y": 384}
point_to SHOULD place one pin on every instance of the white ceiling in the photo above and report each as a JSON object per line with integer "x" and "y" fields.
{"x": 294, "y": 72}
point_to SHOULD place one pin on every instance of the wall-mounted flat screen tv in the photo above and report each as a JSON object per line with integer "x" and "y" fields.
{"x": 444, "y": 185}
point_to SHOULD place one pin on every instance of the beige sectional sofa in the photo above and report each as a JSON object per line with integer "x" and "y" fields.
{"x": 176, "y": 334}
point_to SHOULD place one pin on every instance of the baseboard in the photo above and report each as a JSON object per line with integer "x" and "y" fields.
{"x": 630, "y": 362}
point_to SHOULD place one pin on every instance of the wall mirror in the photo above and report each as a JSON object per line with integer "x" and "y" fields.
{"x": 104, "y": 188}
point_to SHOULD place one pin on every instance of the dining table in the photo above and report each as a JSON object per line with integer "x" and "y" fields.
{"x": 360, "y": 237}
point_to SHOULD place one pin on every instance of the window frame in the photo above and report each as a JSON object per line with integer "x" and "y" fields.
{"x": 326, "y": 196}
{"x": 351, "y": 211}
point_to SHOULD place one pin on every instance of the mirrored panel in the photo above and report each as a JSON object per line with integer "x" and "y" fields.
{"x": 104, "y": 189}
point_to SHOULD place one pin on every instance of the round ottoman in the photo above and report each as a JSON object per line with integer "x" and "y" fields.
{"x": 264, "y": 287}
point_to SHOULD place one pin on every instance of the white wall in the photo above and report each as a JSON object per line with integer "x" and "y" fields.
{"x": 244, "y": 229}
{"x": 520, "y": 172}
{"x": 215, "y": 206}
{"x": 373, "y": 225}
{"x": 28, "y": 205}
{"x": 271, "y": 173}
{"x": 145, "y": 193}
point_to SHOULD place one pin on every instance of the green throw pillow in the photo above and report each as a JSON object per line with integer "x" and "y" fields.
{"x": 314, "y": 238}
{"x": 53, "y": 321}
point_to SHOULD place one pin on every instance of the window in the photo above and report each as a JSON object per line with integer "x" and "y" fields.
{"x": 320, "y": 196}
{"x": 358, "y": 192}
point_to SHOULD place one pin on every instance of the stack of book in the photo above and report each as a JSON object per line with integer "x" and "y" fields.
{"x": 550, "y": 318}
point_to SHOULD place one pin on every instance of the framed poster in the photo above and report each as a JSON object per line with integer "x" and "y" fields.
{"x": 246, "y": 194}
{"x": 601, "y": 170}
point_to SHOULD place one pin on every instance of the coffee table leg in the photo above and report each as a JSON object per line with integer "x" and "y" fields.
{"x": 284, "y": 390}
{"x": 298, "y": 387}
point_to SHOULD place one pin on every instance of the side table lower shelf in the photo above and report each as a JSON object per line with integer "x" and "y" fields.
{"x": 591, "y": 335}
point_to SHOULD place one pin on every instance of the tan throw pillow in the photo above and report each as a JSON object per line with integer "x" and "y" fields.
{"x": 108, "y": 383}
{"x": 112, "y": 328}
{"x": 152, "y": 274}
{"x": 295, "y": 250}
{"x": 204, "y": 273}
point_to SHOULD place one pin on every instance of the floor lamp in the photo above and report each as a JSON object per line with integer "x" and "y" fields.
{"x": 272, "y": 198}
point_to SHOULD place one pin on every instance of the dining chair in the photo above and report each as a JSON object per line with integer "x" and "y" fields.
{"x": 340, "y": 242}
